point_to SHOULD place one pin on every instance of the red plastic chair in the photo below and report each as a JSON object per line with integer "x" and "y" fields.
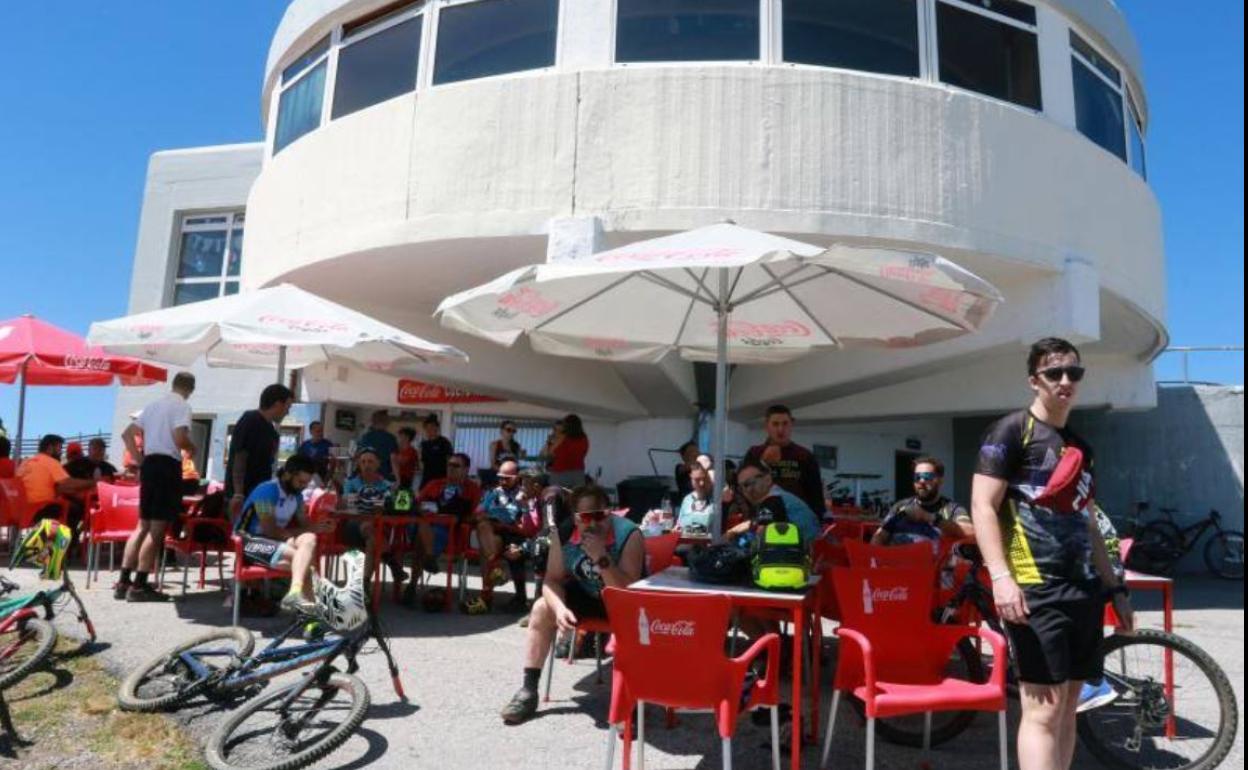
{"x": 894, "y": 658}
{"x": 916, "y": 555}
{"x": 669, "y": 651}
{"x": 661, "y": 551}
{"x": 191, "y": 540}
{"x": 113, "y": 521}
{"x": 249, "y": 573}
{"x": 17, "y": 512}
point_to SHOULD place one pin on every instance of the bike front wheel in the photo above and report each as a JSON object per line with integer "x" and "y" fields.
{"x": 1224, "y": 555}
{"x": 264, "y": 735}
{"x": 166, "y": 681}
{"x": 24, "y": 648}
{"x": 1186, "y": 723}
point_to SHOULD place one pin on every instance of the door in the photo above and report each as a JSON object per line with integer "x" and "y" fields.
{"x": 903, "y": 474}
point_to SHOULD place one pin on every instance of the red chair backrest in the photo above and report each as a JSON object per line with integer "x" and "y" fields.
{"x": 118, "y": 507}
{"x": 828, "y": 555}
{"x": 322, "y": 504}
{"x": 861, "y": 554}
{"x": 669, "y": 648}
{"x": 844, "y": 529}
{"x": 660, "y": 551}
{"x": 892, "y": 607}
{"x": 1124, "y": 548}
{"x": 12, "y": 503}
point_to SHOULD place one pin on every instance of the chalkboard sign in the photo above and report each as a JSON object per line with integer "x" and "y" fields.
{"x": 344, "y": 420}
{"x": 826, "y": 456}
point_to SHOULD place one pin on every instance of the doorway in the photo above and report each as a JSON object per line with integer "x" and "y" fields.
{"x": 903, "y": 474}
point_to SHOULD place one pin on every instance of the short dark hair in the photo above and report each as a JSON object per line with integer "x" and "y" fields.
{"x": 6, "y": 446}
{"x": 48, "y": 440}
{"x": 1042, "y": 349}
{"x": 183, "y": 381}
{"x": 299, "y": 464}
{"x": 314, "y": 423}
{"x": 275, "y": 394}
{"x": 932, "y": 461}
{"x": 431, "y": 419}
{"x": 572, "y": 426}
{"x": 685, "y": 446}
{"x": 97, "y": 441}
{"x": 601, "y": 499}
{"x": 756, "y": 464}
{"x": 776, "y": 409}
{"x": 409, "y": 432}
{"x": 464, "y": 458}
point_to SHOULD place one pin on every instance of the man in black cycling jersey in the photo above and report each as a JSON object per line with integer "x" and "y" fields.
{"x": 1030, "y": 502}
{"x": 926, "y": 516}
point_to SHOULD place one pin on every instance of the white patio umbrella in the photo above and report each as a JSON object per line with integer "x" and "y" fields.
{"x": 728, "y": 294}
{"x": 279, "y": 327}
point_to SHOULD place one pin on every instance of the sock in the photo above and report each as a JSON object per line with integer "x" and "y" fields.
{"x": 125, "y": 576}
{"x": 296, "y": 587}
{"x": 140, "y": 579}
{"x": 532, "y": 678}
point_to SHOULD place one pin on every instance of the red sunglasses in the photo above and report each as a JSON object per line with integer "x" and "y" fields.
{"x": 591, "y": 516}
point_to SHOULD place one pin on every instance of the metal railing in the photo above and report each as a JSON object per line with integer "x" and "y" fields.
{"x": 1186, "y": 352}
{"x": 30, "y": 444}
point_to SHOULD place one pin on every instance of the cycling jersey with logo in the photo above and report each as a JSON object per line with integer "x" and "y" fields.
{"x": 581, "y": 568}
{"x": 269, "y": 498}
{"x": 903, "y": 529}
{"x": 1043, "y": 545}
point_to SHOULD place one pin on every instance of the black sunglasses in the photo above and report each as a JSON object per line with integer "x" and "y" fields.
{"x": 1054, "y": 373}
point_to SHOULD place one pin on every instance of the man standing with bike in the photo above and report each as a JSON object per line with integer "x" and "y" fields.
{"x": 1030, "y": 503}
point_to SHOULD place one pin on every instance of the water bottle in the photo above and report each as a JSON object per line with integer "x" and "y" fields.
{"x": 643, "y": 628}
{"x": 868, "y": 605}
{"x": 668, "y": 516}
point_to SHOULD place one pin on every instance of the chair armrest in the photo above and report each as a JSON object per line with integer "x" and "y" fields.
{"x": 868, "y": 660}
{"x": 949, "y": 635}
{"x": 767, "y": 687}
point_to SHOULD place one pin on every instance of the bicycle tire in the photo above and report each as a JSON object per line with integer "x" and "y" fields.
{"x": 36, "y": 631}
{"x": 897, "y": 731}
{"x": 215, "y": 748}
{"x": 1161, "y": 545}
{"x": 1096, "y": 737}
{"x": 1228, "y": 541}
{"x": 128, "y": 694}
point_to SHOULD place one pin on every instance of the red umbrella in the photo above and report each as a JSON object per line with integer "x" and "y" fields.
{"x": 38, "y": 353}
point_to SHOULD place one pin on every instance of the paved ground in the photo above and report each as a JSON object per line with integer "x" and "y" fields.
{"x": 460, "y": 670}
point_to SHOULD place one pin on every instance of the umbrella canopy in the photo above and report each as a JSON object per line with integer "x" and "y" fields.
{"x": 281, "y": 326}
{"x": 35, "y": 352}
{"x": 728, "y": 294}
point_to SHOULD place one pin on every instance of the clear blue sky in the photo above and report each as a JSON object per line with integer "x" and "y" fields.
{"x": 88, "y": 90}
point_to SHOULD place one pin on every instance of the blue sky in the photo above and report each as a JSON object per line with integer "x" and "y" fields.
{"x": 91, "y": 89}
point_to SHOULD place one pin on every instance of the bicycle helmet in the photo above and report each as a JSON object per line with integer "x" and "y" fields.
{"x": 45, "y": 546}
{"x": 343, "y": 607}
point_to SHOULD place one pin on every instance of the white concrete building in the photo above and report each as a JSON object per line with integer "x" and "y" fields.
{"x": 414, "y": 149}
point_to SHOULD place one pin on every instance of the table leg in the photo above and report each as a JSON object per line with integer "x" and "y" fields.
{"x": 377, "y": 535}
{"x": 1167, "y": 620}
{"x": 795, "y": 756}
{"x": 816, "y": 684}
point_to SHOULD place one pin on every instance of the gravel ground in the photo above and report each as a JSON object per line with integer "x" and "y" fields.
{"x": 459, "y": 671}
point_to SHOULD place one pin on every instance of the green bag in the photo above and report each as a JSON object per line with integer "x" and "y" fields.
{"x": 780, "y": 562}
{"x": 400, "y": 501}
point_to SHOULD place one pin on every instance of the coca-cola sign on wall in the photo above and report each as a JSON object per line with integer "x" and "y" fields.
{"x": 417, "y": 392}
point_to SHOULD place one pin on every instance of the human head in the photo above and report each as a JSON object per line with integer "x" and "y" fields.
{"x": 406, "y": 436}
{"x": 572, "y": 427}
{"x": 700, "y": 479}
{"x": 6, "y": 446}
{"x": 73, "y": 450}
{"x": 275, "y": 401}
{"x": 591, "y": 507}
{"x": 689, "y": 453}
{"x": 432, "y": 426}
{"x": 380, "y": 420}
{"x": 368, "y": 462}
{"x": 51, "y": 445}
{"x": 706, "y": 461}
{"x": 457, "y": 467}
{"x": 1054, "y": 370}
{"x": 316, "y": 429}
{"x": 183, "y": 384}
{"x": 97, "y": 449}
{"x": 532, "y": 482}
{"x": 779, "y": 424}
{"x": 754, "y": 479}
{"x": 507, "y": 430}
{"x": 929, "y": 474}
{"x": 508, "y": 474}
{"x": 296, "y": 474}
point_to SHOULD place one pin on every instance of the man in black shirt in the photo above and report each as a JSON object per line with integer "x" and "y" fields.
{"x": 926, "y": 516}
{"x": 253, "y": 446}
{"x": 94, "y": 464}
{"x": 435, "y": 450}
{"x": 1030, "y": 501}
{"x": 793, "y": 467}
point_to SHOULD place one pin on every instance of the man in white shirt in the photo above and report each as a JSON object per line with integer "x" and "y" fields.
{"x": 166, "y": 429}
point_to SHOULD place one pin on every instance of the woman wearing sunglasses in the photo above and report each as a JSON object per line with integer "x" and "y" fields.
{"x": 603, "y": 550}
{"x": 505, "y": 447}
{"x": 926, "y": 516}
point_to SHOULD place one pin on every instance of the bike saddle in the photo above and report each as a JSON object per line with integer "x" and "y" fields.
{"x": 968, "y": 551}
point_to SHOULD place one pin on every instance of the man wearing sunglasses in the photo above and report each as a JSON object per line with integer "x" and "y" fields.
{"x": 603, "y": 550}
{"x": 454, "y": 495}
{"x": 1045, "y": 555}
{"x": 502, "y": 524}
{"x": 926, "y": 516}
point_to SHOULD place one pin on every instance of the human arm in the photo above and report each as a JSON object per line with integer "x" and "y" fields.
{"x": 987, "y": 495}
{"x": 632, "y": 558}
{"x": 1109, "y": 578}
{"x": 129, "y": 438}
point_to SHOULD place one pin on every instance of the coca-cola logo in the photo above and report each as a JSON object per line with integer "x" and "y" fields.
{"x": 668, "y": 255}
{"x": 86, "y": 362}
{"x": 894, "y": 594}
{"x": 417, "y": 392}
{"x": 672, "y": 627}
{"x": 524, "y": 301}
{"x": 605, "y": 346}
{"x": 313, "y": 325}
{"x": 912, "y": 273}
{"x": 766, "y": 334}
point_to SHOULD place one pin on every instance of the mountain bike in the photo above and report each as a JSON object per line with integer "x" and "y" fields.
{"x": 1160, "y": 544}
{"x": 27, "y": 640}
{"x": 285, "y": 728}
{"x": 1142, "y": 728}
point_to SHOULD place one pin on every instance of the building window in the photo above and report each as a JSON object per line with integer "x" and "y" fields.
{"x": 300, "y": 102}
{"x": 867, "y": 35}
{"x": 687, "y": 30}
{"x": 1098, "y": 98}
{"x": 991, "y": 52}
{"x": 494, "y": 37}
{"x": 1136, "y": 129}
{"x": 210, "y": 255}
{"x": 378, "y": 62}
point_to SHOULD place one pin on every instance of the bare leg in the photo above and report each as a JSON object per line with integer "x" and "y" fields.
{"x": 1069, "y": 732}
{"x": 424, "y": 533}
{"x": 130, "y": 556}
{"x": 541, "y": 634}
{"x": 489, "y": 541}
{"x": 1039, "y": 733}
{"x": 152, "y": 546}
{"x": 301, "y": 553}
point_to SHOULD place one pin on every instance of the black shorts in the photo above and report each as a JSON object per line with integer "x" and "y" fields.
{"x": 1061, "y": 640}
{"x": 160, "y": 488}
{"x": 262, "y": 551}
{"x": 582, "y": 604}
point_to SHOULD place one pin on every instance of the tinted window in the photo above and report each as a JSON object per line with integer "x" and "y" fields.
{"x": 493, "y": 37}
{"x": 1098, "y": 110}
{"x": 186, "y": 293}
{"x": 686, "y": 30}
{"x": 299, "y": 108}
{"x": 988, "y": 56}
{"x": 299, "y": 65}
{"x": 202, "y": 254}
{"x": 1137, "y": 142}
{"x": 377, "y": 68}
{"x": 869, "y": 35}
{"x": 1095, "y": 59}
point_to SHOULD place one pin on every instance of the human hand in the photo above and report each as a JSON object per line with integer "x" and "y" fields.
{"x": 322, "y": 526}
{"x": 593, "y": 544}
{"x": 1011, "y": 605}
{"x": 771, "y": 455}
{"x": 565, "y": 620}
{"x": 1125, "y": 613}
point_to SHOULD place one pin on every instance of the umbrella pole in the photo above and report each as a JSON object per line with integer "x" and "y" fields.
{"x": 281, "y": 364}
{"x": 21, "y": 412}
{"x": 719, "y": 442}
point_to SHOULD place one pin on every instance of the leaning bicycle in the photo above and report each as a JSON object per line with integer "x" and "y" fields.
{"x": 1160, "y": 544}
{"x": 288, "y": 727}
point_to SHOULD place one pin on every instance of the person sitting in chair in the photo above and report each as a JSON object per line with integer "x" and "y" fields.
{"x": 926, "y": 516}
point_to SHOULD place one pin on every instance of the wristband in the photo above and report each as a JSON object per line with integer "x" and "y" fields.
{"x": 999, "y": 575}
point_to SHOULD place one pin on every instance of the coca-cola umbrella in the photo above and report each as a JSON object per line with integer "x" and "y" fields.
{"x": 727, "y": 294}
{"x": 34, "y": 352}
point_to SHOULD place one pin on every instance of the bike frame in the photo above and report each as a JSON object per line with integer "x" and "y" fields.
{"x": 20, "y": 607}
{"x": 274, "y": 660}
